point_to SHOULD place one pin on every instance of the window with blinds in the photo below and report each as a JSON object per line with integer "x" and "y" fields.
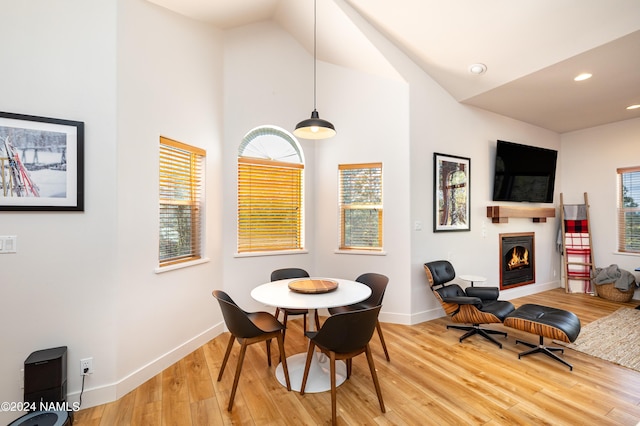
{"x": 360, "y": 204}
{"x": 270, "y": 201}
{"x": 629, "y": 209}
{"x": 181, "y": 202}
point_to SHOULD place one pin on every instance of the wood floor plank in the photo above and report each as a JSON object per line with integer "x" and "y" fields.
{"x": 623, "y": 417}
{"x": 109, "y": 415}
{"x": 149, "y": 413}
{"x": 150, "y": 391}
{"x": 204, "y": 412}
{"x": 120, "y": 412}
{"x": 198, "y": 376}
{"x": 258, "y": 382}
{"x": 432, "y": 379}
{"x": 175, "y": 396}
{"x": 90, "y": 416}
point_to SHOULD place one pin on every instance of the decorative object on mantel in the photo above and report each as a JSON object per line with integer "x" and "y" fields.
{"x": 314, "y": 127}
{"x": 451, "y": 193}
{"x": 501, "y": 214}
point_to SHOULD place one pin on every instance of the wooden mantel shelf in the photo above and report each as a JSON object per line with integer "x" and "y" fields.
{"x": 501, "y": 214}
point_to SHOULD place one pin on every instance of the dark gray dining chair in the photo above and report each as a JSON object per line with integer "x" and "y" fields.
{"x": 378, "y": 284}
{"x": 284, "y": 274}
{"x": 342, "y": 337}
{"x": 249, "y": 328}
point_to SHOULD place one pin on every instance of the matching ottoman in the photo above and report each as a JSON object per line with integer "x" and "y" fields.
{"x": 544, "y": 321}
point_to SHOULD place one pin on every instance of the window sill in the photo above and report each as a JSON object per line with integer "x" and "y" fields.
{"x": 624, "y": 253}
{"x": 362, "y": 252}
{"x": 270, "y": 253}
{"x": 161, "y": 269}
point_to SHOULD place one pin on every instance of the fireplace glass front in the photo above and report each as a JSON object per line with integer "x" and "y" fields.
{"x": 517, "y": 258}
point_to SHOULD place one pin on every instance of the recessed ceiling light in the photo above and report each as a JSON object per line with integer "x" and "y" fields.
{"x": 583, "y": 76}
{"x": 477, "y": 69}
{"x": 633, "y": 106}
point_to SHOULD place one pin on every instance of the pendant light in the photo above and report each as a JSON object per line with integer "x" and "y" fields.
{"x": 314, "y": 127}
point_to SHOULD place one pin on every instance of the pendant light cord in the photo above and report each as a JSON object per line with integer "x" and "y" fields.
{"x": 315, "y": 13}
{"x": 315, "y": 127}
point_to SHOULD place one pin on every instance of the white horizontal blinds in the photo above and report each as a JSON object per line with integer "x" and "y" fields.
{"x": 361, "y": 206}
{"x": 270, "y": 204}
{"x": 181, "y": 198}
{"x": 629, "y": 209}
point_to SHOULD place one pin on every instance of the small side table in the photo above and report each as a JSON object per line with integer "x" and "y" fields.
{"x": 473, "y": 278}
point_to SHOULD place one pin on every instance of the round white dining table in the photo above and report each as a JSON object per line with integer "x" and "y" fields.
{"x": 278, "y": 294}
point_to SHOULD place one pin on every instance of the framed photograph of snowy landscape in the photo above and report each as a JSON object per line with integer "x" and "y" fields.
{"x": 41, "y": 163}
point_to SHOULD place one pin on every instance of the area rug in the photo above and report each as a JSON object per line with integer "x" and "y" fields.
{"x": 613, "y": 338}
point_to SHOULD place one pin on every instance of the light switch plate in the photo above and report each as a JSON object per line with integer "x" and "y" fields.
{"x": 8, "y": 244}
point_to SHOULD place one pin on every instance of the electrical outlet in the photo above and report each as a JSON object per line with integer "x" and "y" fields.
{"x": 86, "y": 366}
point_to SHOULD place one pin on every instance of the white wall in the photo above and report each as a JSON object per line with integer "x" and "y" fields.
{"x": 136, "y": 72}
{"x": 131, "y": 72}
{"x": 401, "y": 123}
{"x": 370, "y": 114}
{"x": 456, "y": 129}
{"x": 58, "y": 60}
{"x": 437, "y": 123}
{"x": 169, "y": 84}
{"x": 263, "y": 85}
{"x": 589, "y": 159}
{"x": 269, "y": 80}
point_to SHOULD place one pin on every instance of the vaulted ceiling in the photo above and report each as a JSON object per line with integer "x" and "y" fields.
{"x": 532, "y": 49}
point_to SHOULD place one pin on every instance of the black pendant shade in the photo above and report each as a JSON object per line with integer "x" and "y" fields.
{"x": 314, "y": 127}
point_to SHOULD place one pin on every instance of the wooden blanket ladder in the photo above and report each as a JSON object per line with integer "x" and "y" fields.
{"x": 577, "y": 247}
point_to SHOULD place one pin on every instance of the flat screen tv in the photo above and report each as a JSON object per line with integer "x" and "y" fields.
{"x": 524, "y": 173}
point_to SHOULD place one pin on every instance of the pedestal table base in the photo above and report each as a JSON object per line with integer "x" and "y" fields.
{"x": 319, "y": 379}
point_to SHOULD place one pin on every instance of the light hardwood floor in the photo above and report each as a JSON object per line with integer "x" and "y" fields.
{"x": 432, "y": 379}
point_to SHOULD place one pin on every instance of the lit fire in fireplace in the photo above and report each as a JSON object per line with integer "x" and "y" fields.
{"x": 519, "y": 258}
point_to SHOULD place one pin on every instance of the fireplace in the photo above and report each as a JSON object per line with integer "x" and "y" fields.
{"x": 517, "y": 260}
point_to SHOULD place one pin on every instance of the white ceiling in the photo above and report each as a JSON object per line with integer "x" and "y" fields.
{"x": 532, "y": 48}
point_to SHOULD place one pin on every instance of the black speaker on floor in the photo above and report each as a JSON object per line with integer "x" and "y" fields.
{"x": 45, "y": 376}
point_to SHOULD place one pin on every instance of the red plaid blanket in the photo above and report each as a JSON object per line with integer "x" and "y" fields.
{"x": 580, "y": 253}
{"x": 576, "y": 226}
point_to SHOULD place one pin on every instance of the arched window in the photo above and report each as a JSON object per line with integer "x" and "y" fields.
{"x": 270, "y": 191}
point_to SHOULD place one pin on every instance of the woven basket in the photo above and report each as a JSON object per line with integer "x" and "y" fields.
{"x": 609, "y": 292}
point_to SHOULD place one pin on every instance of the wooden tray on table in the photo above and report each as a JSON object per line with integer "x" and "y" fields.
{"x": 313, "y": 285}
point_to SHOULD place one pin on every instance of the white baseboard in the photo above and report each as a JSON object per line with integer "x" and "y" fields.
{"x": 427, "y": 315}
{"x": 394, "y": 318}
{"x": 111, "y": 392}
{"x": 527, "y": 290}
{"x": 514, "y": 293}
